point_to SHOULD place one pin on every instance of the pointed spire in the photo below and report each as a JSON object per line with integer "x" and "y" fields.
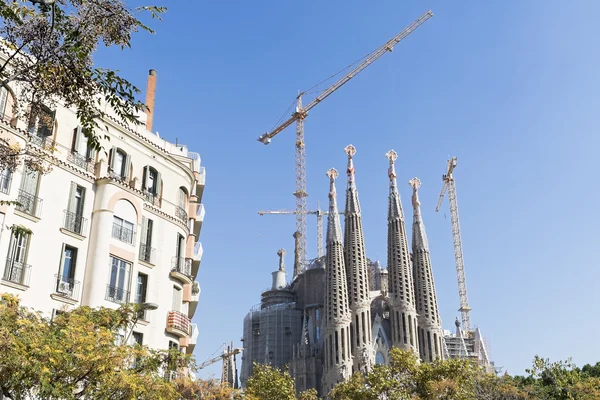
{"x": 352, "y": 204}
{"x": 355, "y": 258}
{"x": 334, "y": 229}
{"x": 400, "y": 275}
{"x": 419, "y": 236}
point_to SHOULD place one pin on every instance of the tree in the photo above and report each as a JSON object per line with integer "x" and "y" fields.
{"x": 78, "y": 354}
{"x": 205, "y": 390}
{"x": 269, "y": 383}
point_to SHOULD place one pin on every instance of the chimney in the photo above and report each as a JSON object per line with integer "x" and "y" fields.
{"x": 150, "y": 96}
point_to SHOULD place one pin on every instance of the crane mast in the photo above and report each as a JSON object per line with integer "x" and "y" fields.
{"x": 449, "y": 186}
{"x": 301, "y": 113}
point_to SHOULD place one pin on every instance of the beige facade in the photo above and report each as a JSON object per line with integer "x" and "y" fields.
{"x": 120, "y": 225}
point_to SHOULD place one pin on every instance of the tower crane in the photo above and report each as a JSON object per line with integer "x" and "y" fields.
{"x": 458, "y": 255}
{"x": 318, "y": 212}
{"x": 227, "y": 353}
{"x": 302, "y": 112}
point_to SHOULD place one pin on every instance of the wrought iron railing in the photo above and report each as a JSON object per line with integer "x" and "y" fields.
{"x": 66, "y": 287}
{"x": 16, "y": 272}
{"x": 122, "y": 233}
{"x": 178, "y": 320}
{"x": 147, "y": 253}
{"x": 152, "y": 198}
{"x": 45, "y": 142}
{"x": 29, "y": 203}
{"x": 182, "y": 265}
{"x": 117, "y": 294}
{"x": 5, "y": 180}
{"x": 81, "y": 161}
{"x": 181, "y": 214}
{"x": 116, "y": 175}
{"x": 75, "y": 223}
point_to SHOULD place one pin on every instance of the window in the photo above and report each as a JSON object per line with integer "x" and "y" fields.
{"x": 119, "y": 163}
{"x": 180, "y": 209}
{"x": 41, "y": 122}
{"x": 146, "y": 250}
{"x": 5, "y": 178}
{"x": 74, "y": 220}
{"x": 142, "y": 288}
{"x": 122, "y": 230}
{"x": 182, "y": 198}
{"x": 28, "y": 200}
{"x": 176, "y": 306}
{"x": 151, "y": 180}
{"x": 173, "y": 345}
{"x": 5, "y": 113}
{"x": 138, "y": 338}
{"x": 65, "y": 279}
{"x": 16, "y": 270}
{"x": 119, "y": 281}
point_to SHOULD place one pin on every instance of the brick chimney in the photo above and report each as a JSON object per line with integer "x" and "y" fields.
{"x": 150, "y": 97}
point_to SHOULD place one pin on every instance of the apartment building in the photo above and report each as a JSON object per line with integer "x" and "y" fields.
{"x": 103, "y": 228}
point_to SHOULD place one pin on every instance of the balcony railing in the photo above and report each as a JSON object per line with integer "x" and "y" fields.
{"x": 181, "y": 214}
{"x": 179, "y": 321}
{"x": 152, "y": 198}
{"x": 75, "y": 223}
{"x": 115, "y": 175}
{"x": 147, "y": 253}
{"x": 81, "y": 161}
{"x": 45, "y": 142}
{"x": 182, "y": 265}
{"x": 16, "y": 272}
{"x": 198, "y": 251}
{"x": 5, "y": 181}
{"x": 200, "y": 212}
{"x": 66, "y": 287}
{"x": 116, "y": 294}
{"x": 122, "y": 233}
{"x": 29, "y": 203}
{"x": 195, "y": 288}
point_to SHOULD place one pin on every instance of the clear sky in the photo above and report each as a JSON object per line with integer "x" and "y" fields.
{"x": 509, "y": 87}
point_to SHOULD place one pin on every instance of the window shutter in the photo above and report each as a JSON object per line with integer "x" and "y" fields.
{"x": 3, "y": 97}
{"x": 71, "y": 205}
{"x": 76, "y": 139}
{"x": 83, "y": 142}
{"x": 51, "y": 127}
{"x": 158, "y": 184}
{"x": 127, "y": 166}
{"x": 111, "y": 159}
{"x": 144, "y": 230}
{"x": 80, "y": 211}
{"x": 145, "y": 178}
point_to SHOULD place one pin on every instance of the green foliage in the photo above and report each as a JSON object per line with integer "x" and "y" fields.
{"x": 268, "y": 383}
{"x": 76, "y": 355}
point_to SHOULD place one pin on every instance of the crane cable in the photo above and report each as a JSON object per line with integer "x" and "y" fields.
{"x": 216, "y": 351}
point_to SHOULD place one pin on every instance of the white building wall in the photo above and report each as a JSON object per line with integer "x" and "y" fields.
{"x": 106, "y": 198}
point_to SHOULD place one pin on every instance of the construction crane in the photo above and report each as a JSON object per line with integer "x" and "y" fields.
{"x": 318, "y": 212}
{"x": 227, "y": 353}
{"x": 458, "y": 255}
{"x": 302, "y": 112}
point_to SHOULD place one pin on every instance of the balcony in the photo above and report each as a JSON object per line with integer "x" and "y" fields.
{"x": 66, "y": 287}
{"x": 181, "y": 214}
{"x": 16, "y": 272}
{"x": 122, "y": 233}
{"x": 117, "y": 295}
{"x": 178, "y": 324}
{"x": 197, "y": 257}
{"x": 147, "y": 254}
{"x": 29, "y": 204}
{"x": 152, "y": 198}
{"x": 44, "y": 142}
{"x": 81, "y": 161}
{"x": 193, "y": 339}
{"x": 5, "y": 180}
{"x": 193, "y": 304}
{"x": 75, "y": 223}
{"x": 181, "y": 269}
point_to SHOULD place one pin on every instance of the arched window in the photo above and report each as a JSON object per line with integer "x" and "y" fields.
{"x": 151, "y": 181}
{"x": 41, "y": 121}
{"x": 379, "y": 358}
{"x": 7, "y": 104}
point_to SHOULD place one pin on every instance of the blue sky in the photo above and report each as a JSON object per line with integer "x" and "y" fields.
{"x": 510, "y": 87}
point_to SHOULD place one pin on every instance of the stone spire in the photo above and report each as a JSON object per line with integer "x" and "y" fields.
{"x": 430, "y": 326}
{"x": 337, "y": 356}
{"x": 297, "y": 262}
{"x": 357, "y": 274}
{"x": 403, "y": 316}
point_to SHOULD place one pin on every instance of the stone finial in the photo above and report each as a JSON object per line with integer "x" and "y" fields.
{"x": 351, "y": 151}
{"x": 281, "y": 253}
{"x": 415, "y": 183}
{"x": 392, "y": 156}
{"x": 332, "y": 174}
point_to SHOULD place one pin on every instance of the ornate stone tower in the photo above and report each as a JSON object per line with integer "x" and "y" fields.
{"x": 357, "y": 274}
{"x": 337, "y": 356}
{"x": 403, "y": 314}
{"x": 430, "y": 326}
